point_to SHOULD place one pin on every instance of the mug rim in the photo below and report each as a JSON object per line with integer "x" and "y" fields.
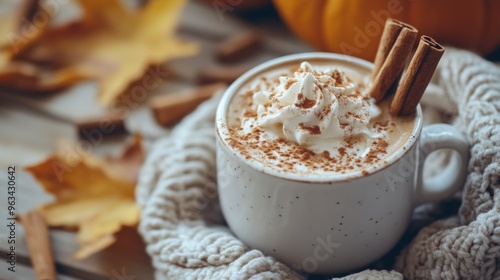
{"x": 222, "y": 129}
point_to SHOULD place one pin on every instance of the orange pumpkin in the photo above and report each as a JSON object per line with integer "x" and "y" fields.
{"x": 354, "y": 27}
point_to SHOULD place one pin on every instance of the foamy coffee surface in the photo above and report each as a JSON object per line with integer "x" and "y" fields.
{"x": 313, "y": 120}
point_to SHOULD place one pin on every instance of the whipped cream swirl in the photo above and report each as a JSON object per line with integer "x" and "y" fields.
{"x": 313, "y": 106}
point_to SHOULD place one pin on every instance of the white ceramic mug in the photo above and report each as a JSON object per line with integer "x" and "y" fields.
{"x": 336, "y": 224}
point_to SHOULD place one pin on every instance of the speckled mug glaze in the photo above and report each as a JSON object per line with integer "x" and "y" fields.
{"x": 331, "y": 224}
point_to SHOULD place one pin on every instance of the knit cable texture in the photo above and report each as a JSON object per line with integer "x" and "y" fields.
{"x": 187, "y": 238}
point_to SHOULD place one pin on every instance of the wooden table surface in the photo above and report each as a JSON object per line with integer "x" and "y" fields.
{"x": 30, "y": 128}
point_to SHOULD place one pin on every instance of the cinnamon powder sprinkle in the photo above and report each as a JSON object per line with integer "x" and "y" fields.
{"x": 289, "y": 83}
{"x": 338, "y": 79}
{"x": 314, "y": 130}
{"x": 379, "y": 149}
{"x": 249, "y": 113}
{"x": 304, "y": 102}
{"x": 287, "y": 156}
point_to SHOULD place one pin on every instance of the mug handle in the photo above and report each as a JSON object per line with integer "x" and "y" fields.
{"x": 451, "y": 179}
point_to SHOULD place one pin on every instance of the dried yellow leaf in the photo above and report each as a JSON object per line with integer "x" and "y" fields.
{"x": 18, "y": 30}
{"x": 110, "y": 44}
{"x": 91, "y": 194}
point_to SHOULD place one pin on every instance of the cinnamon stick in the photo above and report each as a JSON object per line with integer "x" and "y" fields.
{"x": 170, "y": 108}
{"x": 38, "y": 241}
{"x": 110, "y": 124}
{"x": 417, "y": 77}
{"x": 239, "y": 46}
{"x": 395, "y": 47}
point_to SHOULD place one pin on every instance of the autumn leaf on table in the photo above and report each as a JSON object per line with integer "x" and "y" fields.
{"x": 94, "y": 195}
{"x": 20, "y": 29}
{"x": 110, "y": 44}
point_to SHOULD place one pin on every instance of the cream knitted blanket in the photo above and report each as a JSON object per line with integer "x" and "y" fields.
{"x": 187, "y": 238}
